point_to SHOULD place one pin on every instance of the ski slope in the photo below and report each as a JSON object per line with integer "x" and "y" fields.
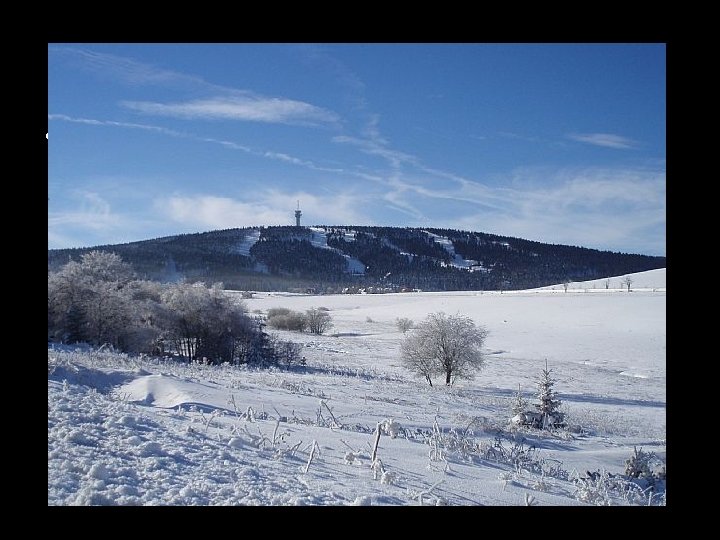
{"x": 319, "y": 240}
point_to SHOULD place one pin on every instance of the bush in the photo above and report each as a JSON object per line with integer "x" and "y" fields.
{"x": 285, "y": 319}
{"x": 274, "y": 312}
{"x": 404, "y": 324}
{"x": 318, "y": 321}
{"x": 98, "y": 300}
{"x": 288, "y": 353}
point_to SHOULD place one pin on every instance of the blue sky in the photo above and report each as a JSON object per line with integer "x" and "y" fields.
{"x": 557, "y": 143}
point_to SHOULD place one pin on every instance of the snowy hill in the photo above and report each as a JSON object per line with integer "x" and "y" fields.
{"x": 649, "y": 280}
{"x": 332, "y": 258}
{"x": 143, "y": 431}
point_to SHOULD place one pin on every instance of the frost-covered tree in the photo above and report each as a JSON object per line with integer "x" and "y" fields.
{"x": 318, "y": 321}
{"x": 419, "y": 358}
{"x": 204, "y": 322}
{"x": 107, "y": 313}
{"x": 627, "y": 281}
{"x": 104, "y": 266}
{"x": 86, "y": 299}
{"x": 99, "y": 301}
{"x": 404, "y": 324}
{"x": 548, "y": 403}
{"x": 639, "y": 465}
{"x": 520, "y": 404}
{"x": 566, "y": 284}
{"x": 445, "y": 344}
{"x": 607, "y": 283}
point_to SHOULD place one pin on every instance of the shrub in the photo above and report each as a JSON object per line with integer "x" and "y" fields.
{"x": 285, "y": 319}
{"x": 404, "y": 324}
{"x": 274, "y": 312}
{"x": 287, "y": 353}
{"x": 318, "y": 321}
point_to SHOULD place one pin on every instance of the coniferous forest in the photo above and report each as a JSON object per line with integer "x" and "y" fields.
{"x": 327, "y": 259}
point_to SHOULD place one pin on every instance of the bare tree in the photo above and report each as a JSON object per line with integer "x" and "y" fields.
{"x": 318, "y": 321}
{"x": 607, "y": 283}
{"x": 627, "y": 281}
{"x": 445, "y": 344}
{"x": 565, "y": 284}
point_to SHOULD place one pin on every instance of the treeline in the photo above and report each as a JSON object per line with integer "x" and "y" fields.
{"x": 99, "y": 300}
{"x": 521, "y": 264}
{"x": 395, "y": 258}
{"x": 199, "y": 256}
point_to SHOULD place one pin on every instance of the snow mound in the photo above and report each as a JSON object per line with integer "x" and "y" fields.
{"x": 167, "y": 391}
{"x": 101, "y": 380}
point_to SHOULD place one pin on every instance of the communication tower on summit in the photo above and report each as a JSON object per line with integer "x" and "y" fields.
{"x": 298, "y": 213}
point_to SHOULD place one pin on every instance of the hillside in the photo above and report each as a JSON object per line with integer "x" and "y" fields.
{"x": 650, "y": 280}
{"x": 333, "y": 259}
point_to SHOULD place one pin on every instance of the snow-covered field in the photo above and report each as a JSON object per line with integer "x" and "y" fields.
{"x": 148, "y": 432}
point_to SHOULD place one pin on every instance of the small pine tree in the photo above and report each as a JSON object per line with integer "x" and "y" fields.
{"x": 549, "y": 404}
{"x": 520, "y": 404}
{"x": 639, "y": 464}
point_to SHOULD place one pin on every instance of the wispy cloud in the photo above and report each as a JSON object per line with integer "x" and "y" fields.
{"x": 268, "y": 154}
{"x": 131, "y": 72}
{"x": 347, "y": 81}
{"x": 224, "y": 103}
{"x": 607, "y": 140}
{"x": 252, "y": 108}
{"x": 129, "y": 125}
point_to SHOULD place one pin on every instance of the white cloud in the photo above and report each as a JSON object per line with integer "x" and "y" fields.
{"x": 94, "y": 213}
{"x": 91, "y": 222}
{"x": 603, "y": 208}
{"x": 248, "y": 107}
{"x": 271, "y": 207}
{"x": 276, "y": 156}
{"x": 607, "y": 140}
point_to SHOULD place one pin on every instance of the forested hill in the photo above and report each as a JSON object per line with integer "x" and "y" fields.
{"x": 332, "y": 258}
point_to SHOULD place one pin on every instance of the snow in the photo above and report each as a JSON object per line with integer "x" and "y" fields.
{"x": 142, "y": 431}
{"x": 319, "y": 240}
{"x": 243, "y": 248}
{"x": 647, "y": 281}
{"x": 447, "y": 244}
